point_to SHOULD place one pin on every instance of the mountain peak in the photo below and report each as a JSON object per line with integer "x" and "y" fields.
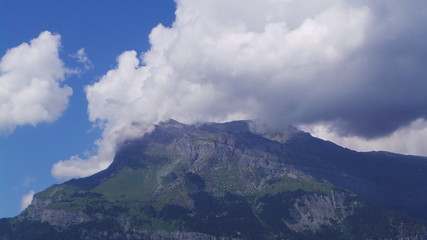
{"x": 216, "y": 180}
{"x": 171, "y": 123}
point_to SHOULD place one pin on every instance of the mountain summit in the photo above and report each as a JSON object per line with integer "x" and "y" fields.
{"x": 222, "y": 181}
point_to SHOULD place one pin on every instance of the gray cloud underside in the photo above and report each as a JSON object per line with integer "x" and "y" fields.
{"x": 357, "y": 67}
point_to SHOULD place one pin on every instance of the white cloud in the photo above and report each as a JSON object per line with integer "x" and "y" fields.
{"x": 77, "y": 167}
{"x": 26, "y": 200}
{"x": 281, "y": 62}
{"x": 82, "y": 58}
{"x": 31, "y": 88}
{"x": 410, "y": 139}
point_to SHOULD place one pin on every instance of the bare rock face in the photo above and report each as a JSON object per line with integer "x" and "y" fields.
{"x": 38, "y": 211}
{"x": 64, "y": 218}
{"x": 147, "y": 235}
{"x": 415, "y": 237}
{"x": 222, "y": 182}
{"x": 179, "y": 236}
{"x": 311, "y": 212}
{"x": 37, "y": 208}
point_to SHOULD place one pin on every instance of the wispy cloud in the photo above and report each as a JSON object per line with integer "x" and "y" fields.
{"x": 28, "y": 181}
{"x": 83, "y": 59}
{"x": 26, "y": 200}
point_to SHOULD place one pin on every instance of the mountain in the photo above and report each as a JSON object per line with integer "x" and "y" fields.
{"x": 222, "y": 181}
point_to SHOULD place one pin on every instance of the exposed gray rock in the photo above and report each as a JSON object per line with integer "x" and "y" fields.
{"x": 64, "y": 218}
{"x": 415, "y": 237}
{"x": 227, "y": 159}
{"x": 149, "y": 235}
{"x": 310, "y": 212}
{"x": 38, "y": 211}
{"x": 180, "y": 236}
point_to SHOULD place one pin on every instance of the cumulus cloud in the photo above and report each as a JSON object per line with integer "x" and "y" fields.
{"x": 26, "y": 200}
{"x": 31, "y": 89}
{"x": 356, "y": 66}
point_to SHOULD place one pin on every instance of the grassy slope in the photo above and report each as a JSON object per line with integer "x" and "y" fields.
{"x": 224, "y": 203}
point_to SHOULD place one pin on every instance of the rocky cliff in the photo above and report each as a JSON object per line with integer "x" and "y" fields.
{"x": 222, "y": 181}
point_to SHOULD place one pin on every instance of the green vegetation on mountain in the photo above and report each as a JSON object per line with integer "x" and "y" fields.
{"x": 221, "y": 180}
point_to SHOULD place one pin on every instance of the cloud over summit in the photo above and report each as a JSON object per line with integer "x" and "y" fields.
{"x": 358, "y": 67}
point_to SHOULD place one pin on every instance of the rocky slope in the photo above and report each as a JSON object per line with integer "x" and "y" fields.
{"x": 221, "y": 181}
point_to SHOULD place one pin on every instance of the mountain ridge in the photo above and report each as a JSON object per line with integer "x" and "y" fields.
{"x": 224, "y": 181}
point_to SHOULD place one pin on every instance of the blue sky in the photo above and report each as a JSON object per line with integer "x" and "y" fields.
{"x": 104, "y": 29}
{"x": 77, "y": 78}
